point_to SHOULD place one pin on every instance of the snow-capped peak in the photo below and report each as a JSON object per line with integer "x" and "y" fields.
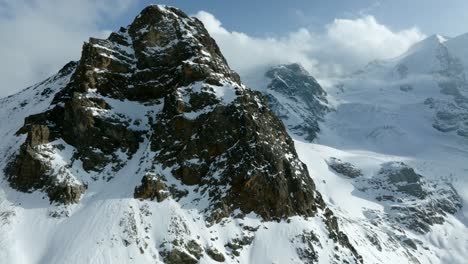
{"x": 151, "y": 150}
{"x": 428, "y": 44}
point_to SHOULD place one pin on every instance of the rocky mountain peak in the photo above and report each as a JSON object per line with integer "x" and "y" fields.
{"x": 153, "y": 115}
{"x": 162, "y": 49}
{"x": 149, "y": 149}
{"x": 160, "y": 91}
{"x": 292, "y": 79}
{"x": 297, "y": 98}
{"x": 160, "y": 33}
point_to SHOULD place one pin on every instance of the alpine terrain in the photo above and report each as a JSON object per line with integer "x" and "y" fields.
{"x": 150, "y": 149}
{"x": 390, "y": 157}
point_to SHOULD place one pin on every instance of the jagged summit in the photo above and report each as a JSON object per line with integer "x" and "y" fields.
{"x": 161, "y": 49}
{"x": 151, "y": 148}
{"x": 162, "y": 84}
{"x": 297, "y": 98}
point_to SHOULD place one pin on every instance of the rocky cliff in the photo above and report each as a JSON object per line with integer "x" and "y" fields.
{"x": 157, "y": 106}
{"x": 297, "y": 98}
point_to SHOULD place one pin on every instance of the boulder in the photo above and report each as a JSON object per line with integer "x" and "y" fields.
{"x": 151, "y": 188}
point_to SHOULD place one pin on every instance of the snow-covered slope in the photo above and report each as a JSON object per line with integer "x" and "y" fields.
{"x": 391, "y": 157}
{"x": 408, "y": 113}
{"x": 413, "y": 106}
{"x": 378, "y": 231}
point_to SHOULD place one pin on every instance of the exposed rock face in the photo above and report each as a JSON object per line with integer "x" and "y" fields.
{"x": 238, "y": 139}
{"x": 297, "y": 98}
{"x": 450, "y": 115}
{"x": 404, "y": 178}
{"x": 203, "y": 125}
{"x": 151, "y": 188}
{"x": 181, "y": 252}
{"x": 31, "y": 169}
{"x": 157, "y": 102}
{"x": 344, "y": 168}
{"x": 179, "y": 257}
{"x": 215, "y": 254}
{"x": 410, "y": 200}
{"x": 338, "y": 236}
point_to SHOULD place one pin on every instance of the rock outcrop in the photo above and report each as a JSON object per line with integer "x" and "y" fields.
{"x": 205, "y": 128}
{"x": 151, "y": 188}
{"x": 410, "y": 200}
{"x": 157, "y": 102}
{"x": 297, "y": 98}
{"x": 344, "y": 168}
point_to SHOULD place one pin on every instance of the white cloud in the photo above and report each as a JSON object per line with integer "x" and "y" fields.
{"x": 366, "y": 38}
{"x": 246, "y": 54}
{"x": 40, "y": 36}
{"x": 345, "y": 45}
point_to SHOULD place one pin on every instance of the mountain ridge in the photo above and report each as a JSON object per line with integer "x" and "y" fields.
{"x": 151, "y": 137}
{"x": 151, "y": 150}
{"x": 407, "y": 110}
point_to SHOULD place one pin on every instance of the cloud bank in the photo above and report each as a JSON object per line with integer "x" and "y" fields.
{"x": 344, "y": 46}
{"x": 40, "y": 36}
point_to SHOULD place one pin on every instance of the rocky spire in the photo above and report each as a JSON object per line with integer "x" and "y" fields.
{"x": 297, "y": 98}
{"x": 203, "y": 126}
{"x": 156, "y": 102}
{"x": 161, "y": 50}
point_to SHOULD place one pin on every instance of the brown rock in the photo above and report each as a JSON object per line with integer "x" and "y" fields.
{"x": 151, "y": 188}
{"x": 215, "y": 254}
{"x": 39, "y": 134}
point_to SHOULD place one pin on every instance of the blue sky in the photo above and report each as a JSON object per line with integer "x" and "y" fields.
{"x": 328, "y": 37}
{"x": 272, "y": 17}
